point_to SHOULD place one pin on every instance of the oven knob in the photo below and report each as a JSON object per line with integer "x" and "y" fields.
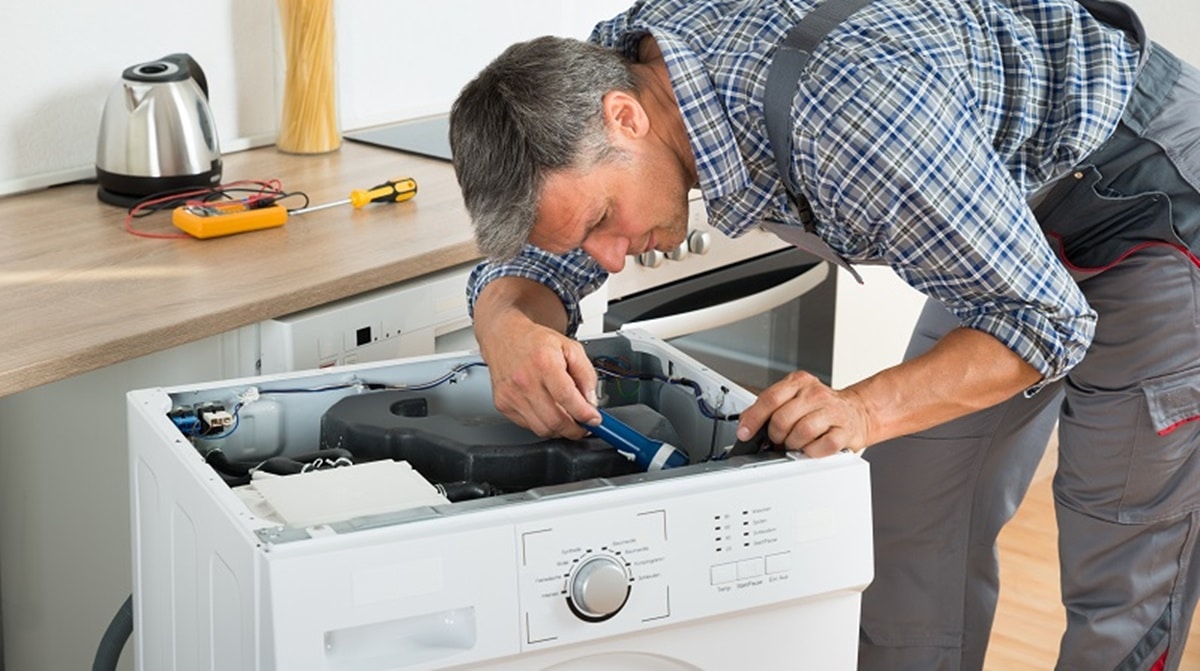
{"x": 599, "y": 588}
{"x": 651, "y": 259}
{"x": 699, "y": 242}
{"x": 679, "y": 253}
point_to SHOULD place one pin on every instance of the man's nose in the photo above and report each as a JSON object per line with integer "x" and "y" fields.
{"x": 608, "y": 252}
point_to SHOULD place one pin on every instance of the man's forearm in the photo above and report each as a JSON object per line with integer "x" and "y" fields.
{"x": 509, "y": 297}
{"x": 967, "y": 370}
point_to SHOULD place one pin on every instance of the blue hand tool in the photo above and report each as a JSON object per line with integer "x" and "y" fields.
{"x": 646, "y": 452}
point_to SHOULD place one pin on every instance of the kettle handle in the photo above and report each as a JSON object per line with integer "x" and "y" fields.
{"x": 189, "y": 64}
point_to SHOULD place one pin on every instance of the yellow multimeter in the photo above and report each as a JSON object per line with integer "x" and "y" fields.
{"x": 212, "y": 220}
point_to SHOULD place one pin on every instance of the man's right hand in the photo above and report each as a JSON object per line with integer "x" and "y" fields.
{"x": 541, "y": 379}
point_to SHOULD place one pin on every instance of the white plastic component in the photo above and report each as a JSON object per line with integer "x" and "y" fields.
{"x": 259, "y": 433}
{"x": 346, "y": 492}
{"x": 217, "y": 418}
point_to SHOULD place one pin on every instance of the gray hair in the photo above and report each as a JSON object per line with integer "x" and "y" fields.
{"x": 537, "y": 108}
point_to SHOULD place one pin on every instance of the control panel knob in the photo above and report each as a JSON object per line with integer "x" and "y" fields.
{"x": 651, "y": 259}
{"x": 679, "y": 253}
{"x": 699, "y": 242}
{"x": 599, "y": 588}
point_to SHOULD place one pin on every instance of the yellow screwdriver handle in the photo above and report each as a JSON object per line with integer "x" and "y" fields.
{"x": 392, "y": 191}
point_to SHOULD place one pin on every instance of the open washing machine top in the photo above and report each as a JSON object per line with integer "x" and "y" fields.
{"x": 364, "y": 446}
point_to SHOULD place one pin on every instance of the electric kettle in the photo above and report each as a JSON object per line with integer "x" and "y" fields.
{"x": 157, "y": 132}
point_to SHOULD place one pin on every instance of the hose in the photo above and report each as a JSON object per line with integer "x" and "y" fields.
{"x": 113, "y": 641}
{"x": 465, "y": 490}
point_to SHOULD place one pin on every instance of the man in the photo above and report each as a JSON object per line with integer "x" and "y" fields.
{"x": 1030, "y": 165}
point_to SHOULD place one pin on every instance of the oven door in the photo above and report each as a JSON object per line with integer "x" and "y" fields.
{"x": 754, "y": 321}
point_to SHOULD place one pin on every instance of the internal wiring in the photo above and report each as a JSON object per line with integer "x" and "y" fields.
{"x": 620, "y": 370}
{"x": 449, "y": 376}
{"x": 253, "y": 394}
{"x": 251, "y": 193}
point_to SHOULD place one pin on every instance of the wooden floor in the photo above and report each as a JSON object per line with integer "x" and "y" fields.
{"x": 1030, "y": 618}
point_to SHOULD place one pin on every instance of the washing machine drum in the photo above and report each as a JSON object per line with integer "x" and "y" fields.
{"x": 626, "y": 661}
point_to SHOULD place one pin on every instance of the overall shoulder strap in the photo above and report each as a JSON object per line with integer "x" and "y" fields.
{"x": 783, "y": 78}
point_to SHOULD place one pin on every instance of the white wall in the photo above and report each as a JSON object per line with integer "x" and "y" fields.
{"x": 1173, "y": 24}
{"x": 396, "y": 60}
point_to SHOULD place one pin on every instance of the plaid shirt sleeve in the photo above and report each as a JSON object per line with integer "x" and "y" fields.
{"x": 571, "y": 276}
{"x": 899, "y": 169}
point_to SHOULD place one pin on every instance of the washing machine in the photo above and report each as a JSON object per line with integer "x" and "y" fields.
{"x": 385, "y": 516}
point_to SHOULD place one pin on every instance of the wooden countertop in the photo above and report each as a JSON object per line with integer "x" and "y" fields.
{"x": 78, "y": 292}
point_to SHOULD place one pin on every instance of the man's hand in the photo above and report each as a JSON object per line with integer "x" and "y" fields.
{"x": 808, "y": 416}
{"x": 965, "y": 371}
{"x": 541, "y": 379}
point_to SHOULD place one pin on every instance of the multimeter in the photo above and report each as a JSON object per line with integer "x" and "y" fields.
{"x": 211, "y": 220}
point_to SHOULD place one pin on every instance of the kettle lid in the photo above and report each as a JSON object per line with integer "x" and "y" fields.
{"x": 171, "y": 68}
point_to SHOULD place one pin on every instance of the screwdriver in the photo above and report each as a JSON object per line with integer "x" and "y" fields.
{"x": 646, "y": 452}
{"x": 210, "y": 220}
{"x": 392, "y": 191}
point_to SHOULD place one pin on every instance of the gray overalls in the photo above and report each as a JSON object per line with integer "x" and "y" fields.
{"x": 1126, "y": 223}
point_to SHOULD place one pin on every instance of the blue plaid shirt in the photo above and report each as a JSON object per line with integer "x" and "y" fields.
{"x": 921, "y": 128}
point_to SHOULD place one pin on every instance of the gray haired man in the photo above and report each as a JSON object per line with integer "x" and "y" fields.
{"x": 1030, "y": 165}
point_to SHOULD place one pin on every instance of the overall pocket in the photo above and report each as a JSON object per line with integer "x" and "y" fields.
{"x": 1094, "y": 227}
{"x": 1164, "y": 475}
{"x": 1131, "y": 456}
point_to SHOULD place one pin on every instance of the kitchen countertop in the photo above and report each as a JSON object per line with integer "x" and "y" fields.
{"x": 78, "y": 292}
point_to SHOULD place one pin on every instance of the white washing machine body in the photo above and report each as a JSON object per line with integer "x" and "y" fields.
{"x": 754, "y": 562}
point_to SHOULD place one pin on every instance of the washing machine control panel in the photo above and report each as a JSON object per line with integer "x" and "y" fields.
{"x": 592, "y": 568}
{"x": 618, "y": 561}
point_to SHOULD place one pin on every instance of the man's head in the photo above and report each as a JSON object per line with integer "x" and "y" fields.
{"x": 536, "y": 109}
{"x": 564, "y": 145}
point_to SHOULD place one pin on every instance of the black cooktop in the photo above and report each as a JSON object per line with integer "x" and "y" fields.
{"x": 427, "y": 136}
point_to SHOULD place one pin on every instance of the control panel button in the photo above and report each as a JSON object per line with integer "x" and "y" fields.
{"x": 699, "y": 242}
{"x": 750, "y": 568}
{"x": 779, "y": 563}
{"x": 651, "y": 259}
{"x": 679, "y": 253}
{"x": 599, "y": 588}
{"x": 723, "y": 573}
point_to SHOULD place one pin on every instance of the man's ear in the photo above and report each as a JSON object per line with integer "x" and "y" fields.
{"x": 624, "y": 114}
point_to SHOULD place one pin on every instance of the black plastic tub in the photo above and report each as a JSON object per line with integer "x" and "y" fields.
{"x": 448, "y": 446}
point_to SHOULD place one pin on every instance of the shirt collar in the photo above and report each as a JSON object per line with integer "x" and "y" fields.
{"x": 719, "y": 165}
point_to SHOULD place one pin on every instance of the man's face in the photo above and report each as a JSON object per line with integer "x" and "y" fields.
{"x": 617, "y": 208}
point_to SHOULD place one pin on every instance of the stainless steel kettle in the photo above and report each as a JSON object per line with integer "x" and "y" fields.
{"x": 157, "y": 132}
